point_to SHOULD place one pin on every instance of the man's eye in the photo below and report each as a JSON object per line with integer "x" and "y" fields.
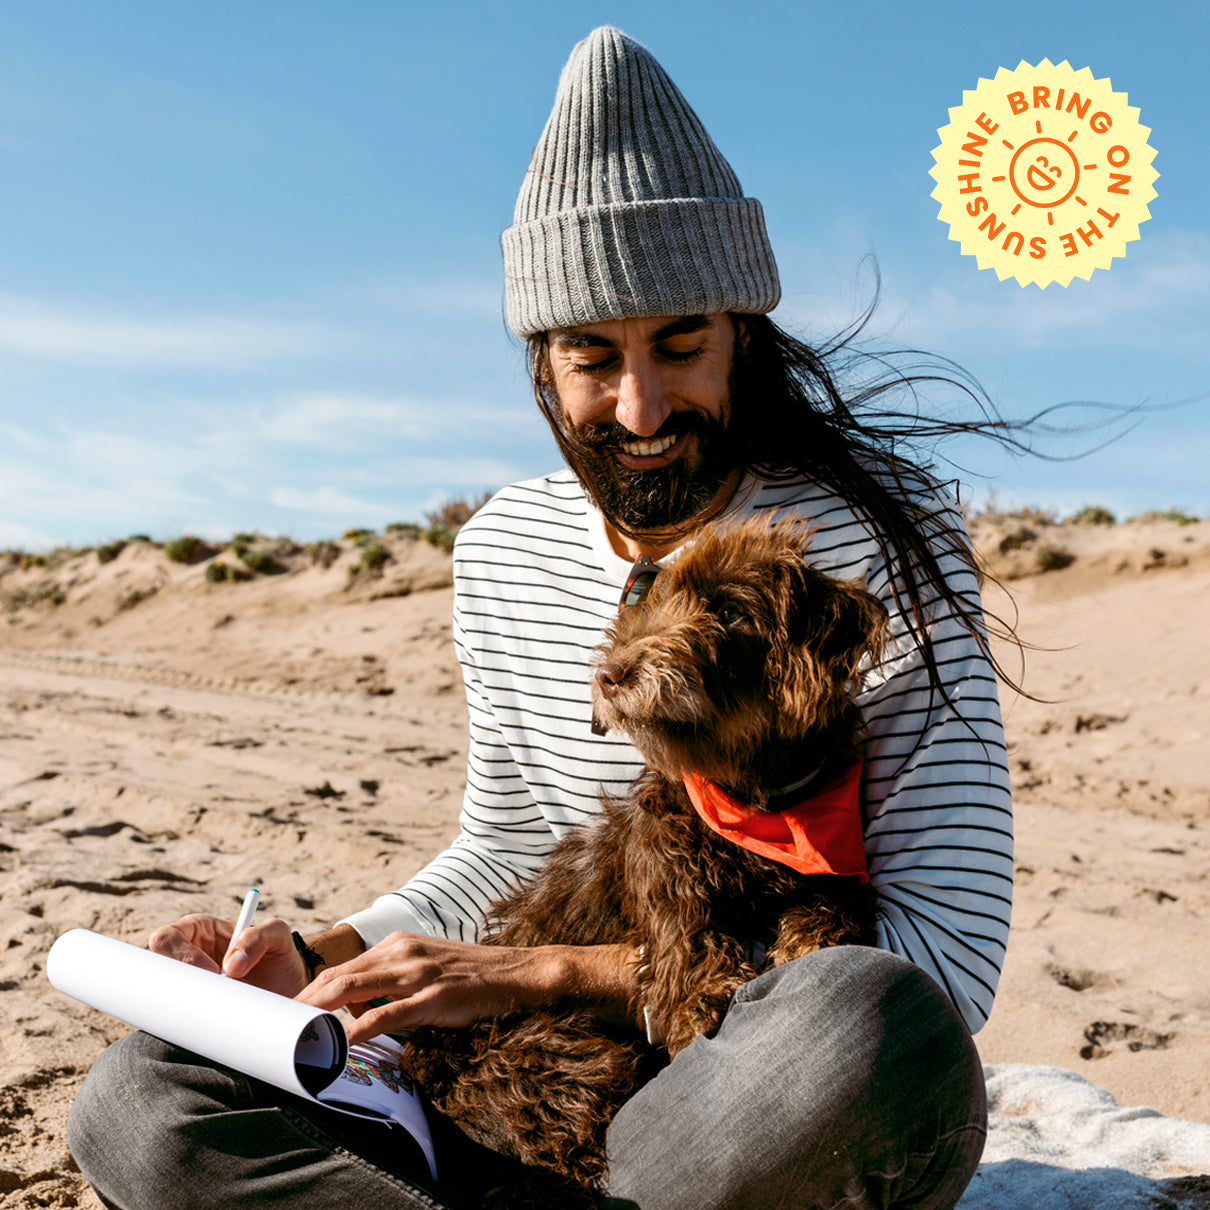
{"x": 591, "y": 367}
{"x": 681, "y": 355}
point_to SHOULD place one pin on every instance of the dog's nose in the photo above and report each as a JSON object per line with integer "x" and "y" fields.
{"x": 610, "y": 677}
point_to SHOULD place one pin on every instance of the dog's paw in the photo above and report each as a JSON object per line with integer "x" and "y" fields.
{"x": 702, "y": 1011}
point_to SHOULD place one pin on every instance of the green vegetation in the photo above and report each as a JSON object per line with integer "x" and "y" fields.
{"x": 259, "y": 561}
{"x": 1092, "y": 514}
{"x": 49, "y": 559}
{"x": 994, "y": 514}
{"x": 108, "y": 551}
{"x": 218, "y": 572}
{"x": 404, "y": 529}
{"x": 1177, "y": 516}
{"x": 440, "y": 536}
{"x": 446, "y": 520}
{"x": 374, "y": 557}
{"x": 187, "y": 549}
{"x": 1049, "y": 558}
{"x": 1017, "y": 538}
{"x": 136, "y": 596}
{"x": 324, "y": 553}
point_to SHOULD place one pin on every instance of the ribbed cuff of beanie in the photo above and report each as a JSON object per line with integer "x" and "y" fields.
{"x": 678, "y": 256}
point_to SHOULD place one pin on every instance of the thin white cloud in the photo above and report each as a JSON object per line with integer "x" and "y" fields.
{"x": 320, "y": 420}
{"x": 465, "y": 474}
{"x": 348, "y": 420}
{"x": 1157, "y": 299}
{"x": 328, "y": 501}
{"x": 477, "y": 299}
{"x": 15, "y": 536}
{"x": 37, "y": 329}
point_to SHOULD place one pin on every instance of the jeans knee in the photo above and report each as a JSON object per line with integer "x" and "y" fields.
{"x": 104, "y": 1115}
{"x": 862, "y": 997}
{"x": 866, "y": 1020}
{"x": 124, "y": 1126}
{"x": 832, "y": 1076}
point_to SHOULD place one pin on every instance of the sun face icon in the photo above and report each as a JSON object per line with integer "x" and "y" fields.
{"x": 1040, "y": 168}
{"x": 1044, "y": 173}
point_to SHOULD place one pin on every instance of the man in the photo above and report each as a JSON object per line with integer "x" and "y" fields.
{"x": 641, "y": 277}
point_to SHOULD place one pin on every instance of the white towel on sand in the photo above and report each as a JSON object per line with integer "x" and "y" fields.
{"x": 1057, "y": 1142}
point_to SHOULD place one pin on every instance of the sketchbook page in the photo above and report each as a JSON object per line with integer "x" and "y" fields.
{"x": 287, "y": 1044}
{"x": 373, "y": 1084}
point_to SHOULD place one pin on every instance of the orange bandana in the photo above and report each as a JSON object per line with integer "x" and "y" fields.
{"x": 820, "y": 835}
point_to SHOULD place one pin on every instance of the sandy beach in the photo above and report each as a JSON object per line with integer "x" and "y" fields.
{"x": 167, "y": 741}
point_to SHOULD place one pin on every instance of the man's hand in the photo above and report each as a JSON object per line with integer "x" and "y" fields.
{"x": 264, "y": 955}
{"x": 434, "y": 981}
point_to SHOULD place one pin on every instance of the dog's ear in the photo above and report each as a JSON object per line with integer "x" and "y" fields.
{"x": 830, "y": 627}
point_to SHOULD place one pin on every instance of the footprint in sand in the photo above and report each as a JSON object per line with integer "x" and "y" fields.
{"x": 1101, "y": 1035}
{"x": 1077, "y": 980}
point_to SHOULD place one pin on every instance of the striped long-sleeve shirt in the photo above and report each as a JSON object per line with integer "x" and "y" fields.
{"x": 536, "y": 582}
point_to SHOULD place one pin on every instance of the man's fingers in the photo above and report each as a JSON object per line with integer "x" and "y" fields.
{"x": 370, "y": 1024}
{"x": 252, "y": 945}
{"x": 191, "y": 939}
{"x": 338, "y": 986}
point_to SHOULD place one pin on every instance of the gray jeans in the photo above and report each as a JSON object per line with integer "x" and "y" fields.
{"x": 843, "y": 1079}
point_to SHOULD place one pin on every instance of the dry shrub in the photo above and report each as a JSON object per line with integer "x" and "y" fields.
{"x": 323, "y": 553}
{"x": 454, "y": 514}
{"x": 995, "y": 514}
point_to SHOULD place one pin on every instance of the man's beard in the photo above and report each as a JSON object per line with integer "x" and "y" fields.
{"x": 663, "y": 498}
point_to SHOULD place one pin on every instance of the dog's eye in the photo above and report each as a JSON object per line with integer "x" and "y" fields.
{"x": 729, "y": 614}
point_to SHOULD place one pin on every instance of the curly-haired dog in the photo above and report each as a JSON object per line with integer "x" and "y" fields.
{"x": 737, "y": 670}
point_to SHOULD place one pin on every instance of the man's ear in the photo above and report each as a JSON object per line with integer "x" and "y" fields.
{"x": 741, "y": 331}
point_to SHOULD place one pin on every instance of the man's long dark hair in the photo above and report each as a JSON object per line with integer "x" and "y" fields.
{"x": 791, "y": 418}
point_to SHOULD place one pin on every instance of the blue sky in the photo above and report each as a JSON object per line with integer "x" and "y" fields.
{"x": 249, "y": 256}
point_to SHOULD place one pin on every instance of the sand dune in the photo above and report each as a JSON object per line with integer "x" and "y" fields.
{"x": 166, "y": 741}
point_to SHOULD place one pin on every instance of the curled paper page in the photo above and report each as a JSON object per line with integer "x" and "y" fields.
{"x": 287, "y": 1044}
{"x": 292, "y": 1046}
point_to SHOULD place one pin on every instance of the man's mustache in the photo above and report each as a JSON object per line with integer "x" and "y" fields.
{"x": 610, "y": 434}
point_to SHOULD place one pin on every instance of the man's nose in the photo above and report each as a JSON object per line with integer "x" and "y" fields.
{"x": 642, "y": 404}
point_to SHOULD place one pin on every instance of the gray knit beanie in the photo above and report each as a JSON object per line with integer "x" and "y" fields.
{"x": 628, "y": 209}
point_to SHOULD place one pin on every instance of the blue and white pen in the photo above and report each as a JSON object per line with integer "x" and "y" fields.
{"x": 245, "y": 918}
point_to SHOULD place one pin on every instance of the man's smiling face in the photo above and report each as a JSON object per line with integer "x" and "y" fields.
{"x": 645, "y": 407}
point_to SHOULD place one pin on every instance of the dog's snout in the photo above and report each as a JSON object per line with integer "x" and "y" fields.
{"x": 610, "y": 677}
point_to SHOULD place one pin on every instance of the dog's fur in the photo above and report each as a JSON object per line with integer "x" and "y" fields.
{"x": 740, "y": 664}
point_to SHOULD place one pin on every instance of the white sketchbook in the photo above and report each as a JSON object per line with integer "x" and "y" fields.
{"x": 290, "y": 1045}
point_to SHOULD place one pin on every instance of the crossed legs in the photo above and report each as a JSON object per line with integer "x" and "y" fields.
{"x": 843, "y": 1079}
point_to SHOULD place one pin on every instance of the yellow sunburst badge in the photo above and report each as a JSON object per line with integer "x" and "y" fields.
{"x": 1044, "y": 174}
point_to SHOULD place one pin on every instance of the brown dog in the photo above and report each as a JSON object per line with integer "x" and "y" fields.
{"x": 739, "y": 665}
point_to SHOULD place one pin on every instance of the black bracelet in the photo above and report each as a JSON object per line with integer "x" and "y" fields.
{"x": 312, "y": 959}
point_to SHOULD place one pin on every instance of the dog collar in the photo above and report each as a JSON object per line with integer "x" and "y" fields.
{"x": 820, "y": 834}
